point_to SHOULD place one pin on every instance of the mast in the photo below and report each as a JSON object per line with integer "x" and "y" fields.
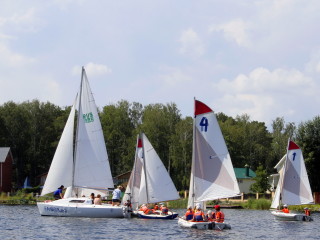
{"x": 144, "y": 167}
{"x": 134, "y": 170}
{"x": 78, "y": 123}
{"x": 284, "y": 172}
{"x": 193, "y": 153}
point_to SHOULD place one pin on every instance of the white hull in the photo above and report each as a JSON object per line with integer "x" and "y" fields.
{"x": 203, "y": 225}
{"x": 290, "y": 216}
{"x": 80, "y": 207}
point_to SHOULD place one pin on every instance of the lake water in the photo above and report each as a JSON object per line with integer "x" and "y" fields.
{"x": 24, "y": 222}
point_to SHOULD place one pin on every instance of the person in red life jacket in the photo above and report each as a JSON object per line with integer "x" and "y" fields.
{"x": 146, "y": 209}
{"x": 156, "y": 207}
{"x": 189, "y": 214}
{"x": 211, "y": 216}
{"x": 307, "y": 211}
{"x": 219, "y": 214}
{"x": 198, "y": 216}
{"x": 164, "y": 210}
{"x": 285, "y": 209}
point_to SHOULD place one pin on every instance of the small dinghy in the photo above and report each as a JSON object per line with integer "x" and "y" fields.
{"x": 293, "y": 187}
{"x": 149, "y": 182}
{"x": 203, "y": 225}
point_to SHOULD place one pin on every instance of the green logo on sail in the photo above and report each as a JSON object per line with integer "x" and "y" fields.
{"x": 88, "y": 117}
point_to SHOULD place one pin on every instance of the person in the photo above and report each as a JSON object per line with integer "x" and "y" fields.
{"x": 97, "y": 200}
{"x": 307, "y": 211}
{"x": 116, "y": 194}
{"x": 129, "y": 205}
{"x": 156, "y": 207}
{"x": 92, "y": 197}
{"x": 198, "y": 216}
{"x": 285, "y": 209}
{"x": 211, "y": 216}
{"x": 164, "y": 210}
{"x": 189, "y": 213}
{"x": 219, "y": 214}
{"x": 58, "y": 193}
{"x": 146, "y": 209}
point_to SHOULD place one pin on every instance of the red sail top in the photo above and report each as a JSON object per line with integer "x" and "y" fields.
{"x": 292, "y": 146}
{"x": 200, "y": 108}
{"x": 139, "y": 143}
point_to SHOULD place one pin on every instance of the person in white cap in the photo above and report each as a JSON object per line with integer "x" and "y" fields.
{"x": 285, "y": 209}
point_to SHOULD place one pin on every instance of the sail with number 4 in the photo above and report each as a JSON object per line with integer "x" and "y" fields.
{"x": 293, "y": 187}
{"x": 212, "y": 173}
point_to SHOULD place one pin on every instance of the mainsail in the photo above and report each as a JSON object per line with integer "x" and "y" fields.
{"x": 86, "y": 165}
{"x": 212, "y": 173}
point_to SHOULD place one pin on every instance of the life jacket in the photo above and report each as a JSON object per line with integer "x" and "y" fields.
{"x": 307, "y": 212}
{"x": 198, "y": 216}
{"x": 285, "y": 210}
{"x": 164, "y": 210}
{"x": 189, "y": 215}
{"x": 156, "y": 207}
{"x": 219, "y": 217}
{"x": 211, "y": 219}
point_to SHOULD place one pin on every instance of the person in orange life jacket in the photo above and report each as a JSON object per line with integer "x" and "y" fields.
{"x": 219, "y": 214}
{"x": 145, "y": 209}
{"x": 211, "y": 216}
{"x": 164, "y": 210}
{"x": 307, "y": 211}
{"x": 285, "y": 209}
{"x": 189, "y": 213}
{"x": 198, "y": 216}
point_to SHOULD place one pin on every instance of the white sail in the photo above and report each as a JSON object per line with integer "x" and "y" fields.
{"x": 280, "y": 169}
{"x": 296, "y": 187}
{"x": 212, "y": 174}
{"x": 61, "y": 166}
{"x": 149, "y": 181}
{"x": 92, "y": 169}
{"x": 133, "y": 187}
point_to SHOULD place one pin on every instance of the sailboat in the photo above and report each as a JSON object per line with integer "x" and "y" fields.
{"x": 293, "y": 187}
{"x": 212, "y": 174}
{"x": 80, "y": 164}
{"x": 149, "y": 182}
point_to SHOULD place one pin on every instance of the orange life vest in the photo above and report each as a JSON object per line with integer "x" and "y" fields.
{"x": 307, "y": 212}
{"x": 219, "y": 217}
{"x": 189, "y": 215}
{"x": 156, "y": 207}
{"x": 198, "y": 216}
{"x": 285, "y": 210}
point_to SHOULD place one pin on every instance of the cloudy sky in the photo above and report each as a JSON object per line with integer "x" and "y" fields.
{"x": 260, "y": 57}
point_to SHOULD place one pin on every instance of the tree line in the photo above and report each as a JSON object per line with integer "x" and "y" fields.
{"x": 32, "y": 130}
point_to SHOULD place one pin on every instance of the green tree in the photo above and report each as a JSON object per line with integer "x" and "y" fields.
{"x": 308, "y": 138}
{"x": 262, "y": 184}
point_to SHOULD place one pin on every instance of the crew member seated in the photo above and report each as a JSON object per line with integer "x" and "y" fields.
{"x": 219, "y": 214}
{"x": 285, "y": 209}
{"x": 198, "y": 216}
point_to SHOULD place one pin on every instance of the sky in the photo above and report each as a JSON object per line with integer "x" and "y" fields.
{"x": 255, "y": 57}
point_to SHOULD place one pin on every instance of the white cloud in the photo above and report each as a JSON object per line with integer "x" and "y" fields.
{"x": 235, "y": 30}
{"x": 265, "y": 94}
{"x": 9, "y": 58}
{"x": 191, "y": 44}
{"x": 92, "y": 69}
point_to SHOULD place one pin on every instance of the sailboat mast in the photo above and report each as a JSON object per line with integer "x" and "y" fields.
{"x": 144, "y": 167}
{"x": 78, "y": 123}
{"x": 134, "y": 169}
{"x": 284, "y": 172}
{"x": 193, "y": 154}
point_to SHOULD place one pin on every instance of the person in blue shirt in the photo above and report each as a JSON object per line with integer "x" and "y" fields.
{"x": 116, "y": 195}
{"x": 58, "y": 193}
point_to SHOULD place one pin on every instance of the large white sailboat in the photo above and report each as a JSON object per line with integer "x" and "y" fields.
{"x": 212, "y": 174}
{"x": 149, "y": 182}
{"x": 80, "y": 164}
{"x": 293, "y": 186}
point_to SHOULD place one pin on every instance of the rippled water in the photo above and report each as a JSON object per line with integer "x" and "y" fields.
{"x": 24, "y": 222}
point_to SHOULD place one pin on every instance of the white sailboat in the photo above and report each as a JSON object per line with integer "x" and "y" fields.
{"x": 80, "y": 164}
{"x": 149, "y": 182}
{"x": 293, "y": 187}
{"x": 212, "y": 173}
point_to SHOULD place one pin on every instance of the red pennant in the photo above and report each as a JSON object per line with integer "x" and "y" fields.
{"x": 292, "y": 146}
{"x": 200, "y": 108}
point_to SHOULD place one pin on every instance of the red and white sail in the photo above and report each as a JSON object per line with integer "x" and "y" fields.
{"x": 212, "y": 173}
